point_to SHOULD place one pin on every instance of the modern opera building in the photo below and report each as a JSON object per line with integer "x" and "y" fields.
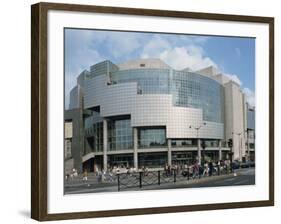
{"x": 145, "y": 113}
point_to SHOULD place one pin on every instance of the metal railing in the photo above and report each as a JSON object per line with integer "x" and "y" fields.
{"x": 147, "y": 178}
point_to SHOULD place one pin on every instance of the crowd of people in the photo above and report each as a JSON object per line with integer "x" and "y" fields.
{"x": 194, "y": 170}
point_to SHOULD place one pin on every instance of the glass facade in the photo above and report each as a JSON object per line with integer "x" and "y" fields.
{"x": 151, "y": 137}
{"x": 150, "y": 81}
{"x": 188, "y": 89}
{"x": 120, "y": 134}
{"x": 184, "y": 142}
{"x": 102, "y": 68}
{"x": 89, "y": 121}
{"x": 122, "y": 160}
{"x": 211, "y": 155}
{"x": 197, "y": 91}
{"x": 157, "y": 159}
{"x": 94, "y": 136}
{"x": 250, "y": 119}
{"x": 211, "y": 143}
{"x": 94, "y": 132}
{"x": 183, "y": 158}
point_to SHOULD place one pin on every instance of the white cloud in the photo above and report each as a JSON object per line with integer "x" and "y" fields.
{"x": 250, "y": 96}
{"x": 183, "y": 57}
{"x": 178, "y": 57}
{"x": 122, "y": 44}
{"x": 154, "y": 47}
{"x": 234, "y": 78}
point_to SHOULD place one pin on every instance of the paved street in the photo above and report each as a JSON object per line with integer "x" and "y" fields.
{"x": 242, "y": 177}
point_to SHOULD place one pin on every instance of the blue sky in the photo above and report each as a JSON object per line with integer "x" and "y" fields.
{"x": 233, "y": 56}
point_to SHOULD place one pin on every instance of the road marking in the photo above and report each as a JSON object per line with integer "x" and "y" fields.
{"x": 241, "y": 182}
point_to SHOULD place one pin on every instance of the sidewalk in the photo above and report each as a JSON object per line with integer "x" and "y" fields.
{"x": 94, "y": 183}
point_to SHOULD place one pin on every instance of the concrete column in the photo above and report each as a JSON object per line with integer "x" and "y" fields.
{"x": 169, "y": 152}
{"x": 105, "y": 141}
{"x": 199, "y": 150}
{"x": 220, "y": 150}
{"x": 248, "y": 146}
{"x": 135, "y": 133}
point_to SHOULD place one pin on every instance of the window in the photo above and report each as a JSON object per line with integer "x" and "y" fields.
{"x": 120, "y": 134}
{"x": 151, "y": 137}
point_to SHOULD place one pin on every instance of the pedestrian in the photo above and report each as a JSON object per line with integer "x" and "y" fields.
{"x": 99, "y": 174}
{"x": 190, "y": 171}
{"x": 166, "y": 169}
{"x": 175, "y": 168}
{"x": 206, "y": 169}
{"x": 169, "y": 170}
{"x": 195, "y": 170}
{"x": 85, "y": 175}
{"x": 211, "y": 167}
{"x": 110, "y": 176}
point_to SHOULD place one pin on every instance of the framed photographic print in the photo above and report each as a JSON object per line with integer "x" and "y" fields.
{"x": 139, "y": 111}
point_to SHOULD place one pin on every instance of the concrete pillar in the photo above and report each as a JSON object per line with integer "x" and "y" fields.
{"x": 248, "y": 146}
{"x": 220, "y": 150}
{"x": 135, "y": 133}
{"x": 169, "y": 152}
{"x": 105, "y": 141}
{"x": 199, "y": 150}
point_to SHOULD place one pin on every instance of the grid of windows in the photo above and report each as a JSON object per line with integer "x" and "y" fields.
{"x": 89, "y": 121}
{"x": 94, "y": 132}
{"x": 150, "y": 81}
{"x": 98, "y": 136}
{"x": 122, "y": 160}
{"x": 103, "y": 68}
{"x": 250, "y": 119}
{"x": 120, "y": 134}
{"x": 212, "y": 143}
{"x": 197, "y": 91}
{"x": 151, "y": 137}
{"x": 184, "y": 158}
{"x": 94, "y": 138}
{"x": 188, "y": 89}
{"x": 152, "y": 159}
{"x": 184, "y": 142}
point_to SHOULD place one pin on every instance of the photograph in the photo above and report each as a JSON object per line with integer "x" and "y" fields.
{"x": 153, "y": 110}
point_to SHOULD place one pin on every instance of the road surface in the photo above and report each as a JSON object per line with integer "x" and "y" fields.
{"x": 241, "y": 177}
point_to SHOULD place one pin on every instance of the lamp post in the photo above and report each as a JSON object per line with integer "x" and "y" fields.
{"x": 197, "y": 128}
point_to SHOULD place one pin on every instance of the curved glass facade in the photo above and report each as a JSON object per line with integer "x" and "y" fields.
{"x": 188, "y": 89}
{"x": 197, "y": 91}
{"x": 150, "y": 81}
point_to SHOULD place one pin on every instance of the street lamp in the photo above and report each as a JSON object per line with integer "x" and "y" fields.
{"x": 197, "y": 128}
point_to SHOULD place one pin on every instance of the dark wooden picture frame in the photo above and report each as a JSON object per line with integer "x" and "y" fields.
{"x": 39, "y": 121}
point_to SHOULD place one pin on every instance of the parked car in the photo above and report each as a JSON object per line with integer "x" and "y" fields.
{"x": 236, "y": 164}
{"x": 247, "y": 164}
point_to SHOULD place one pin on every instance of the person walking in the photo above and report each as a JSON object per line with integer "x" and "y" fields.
{"x": 206, "y": 169}
{"x": 195, "y": 170}
{"x": 85, "y": 175}
{"x": 211, "y": 167}
{"x": 166, "y": 169}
